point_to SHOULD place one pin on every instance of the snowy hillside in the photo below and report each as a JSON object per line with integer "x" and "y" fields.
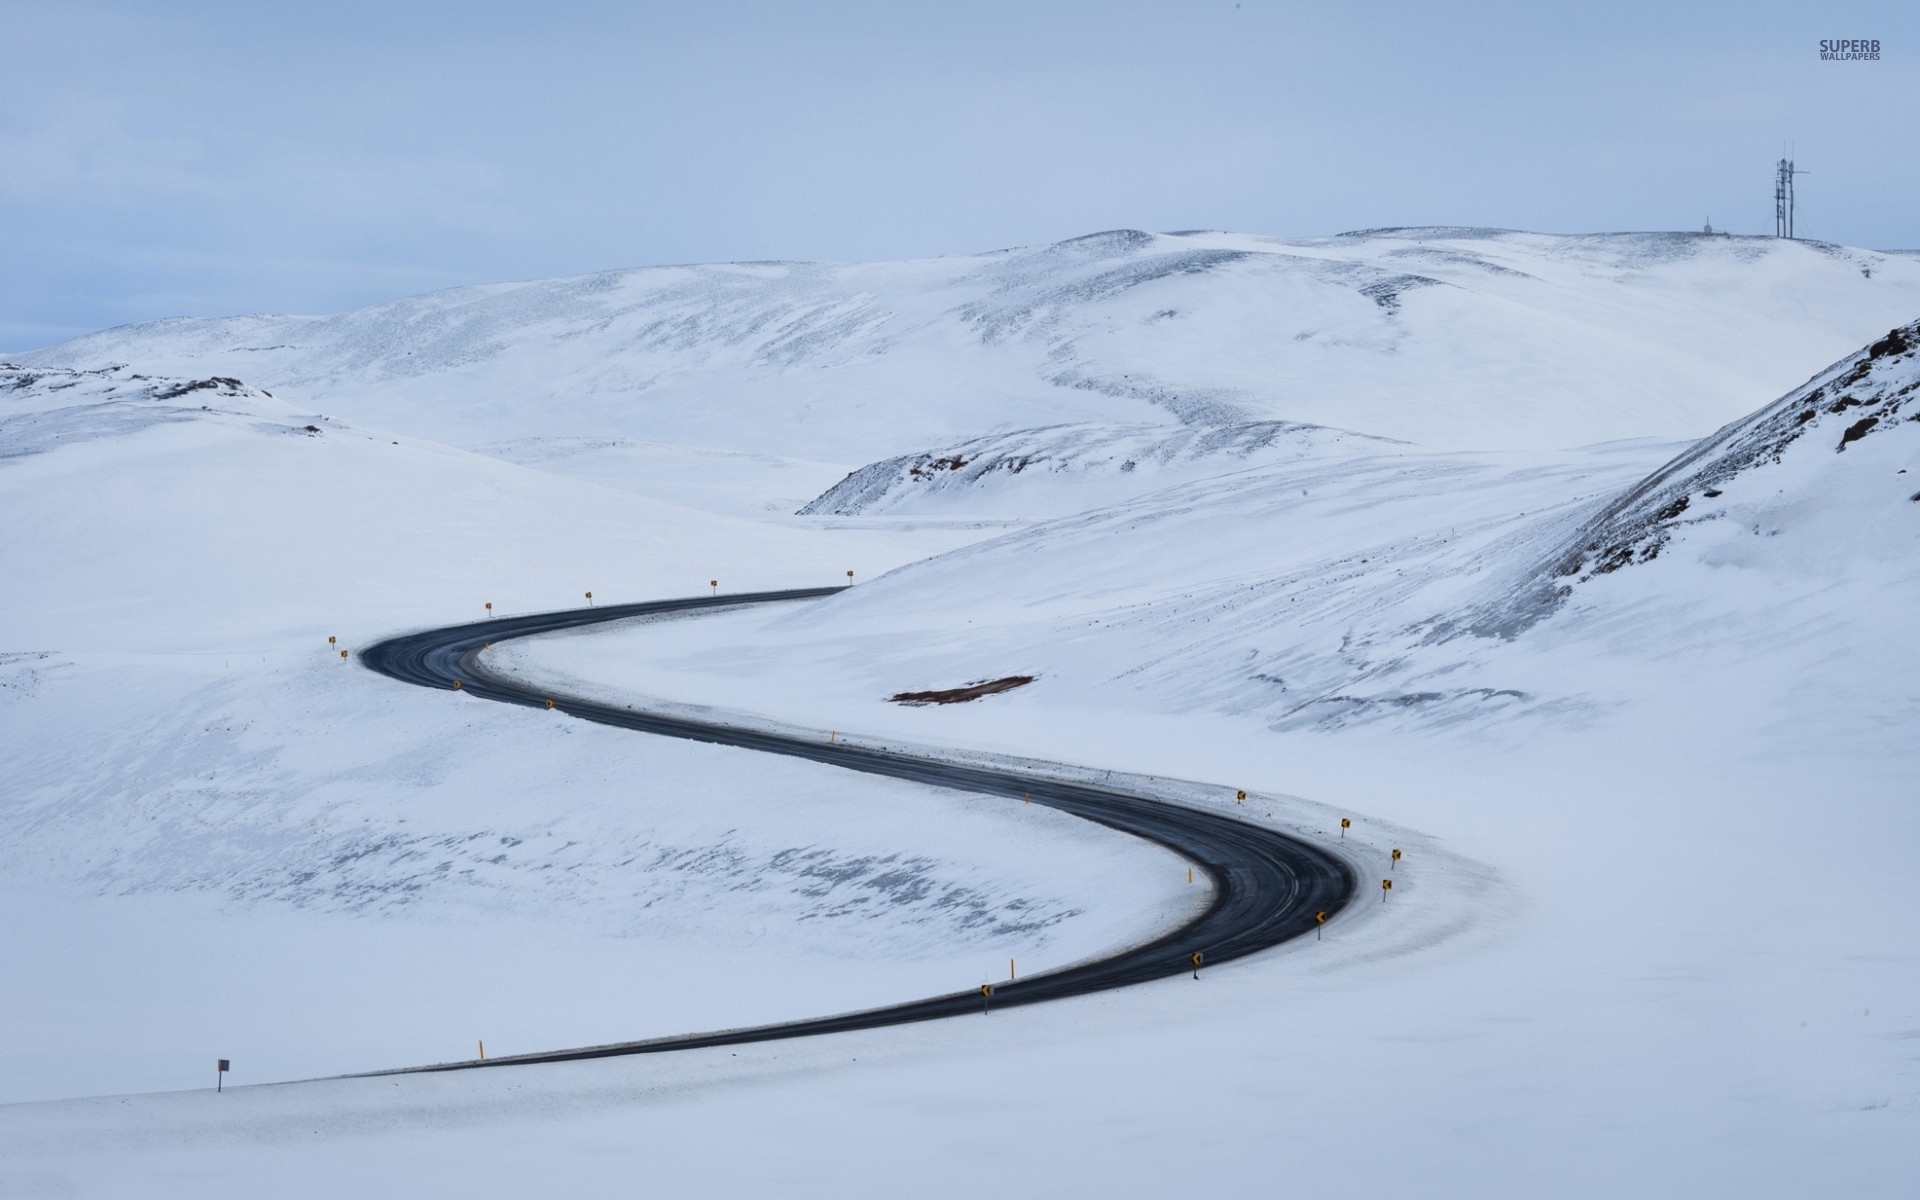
{"x": 1067, "y": 468}
{"x": 1779, "y": 471}
{"x": 1321, "y": 592}
{"x": 1451, "y": 338}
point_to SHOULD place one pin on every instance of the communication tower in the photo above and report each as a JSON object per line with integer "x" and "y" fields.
{"x": 1783, "y": 174}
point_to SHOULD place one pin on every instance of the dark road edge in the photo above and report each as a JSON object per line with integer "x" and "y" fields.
{"x": 1267, "y": 885}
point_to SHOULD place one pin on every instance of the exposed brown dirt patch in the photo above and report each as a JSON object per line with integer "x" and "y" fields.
{"x": 961, "y": 695}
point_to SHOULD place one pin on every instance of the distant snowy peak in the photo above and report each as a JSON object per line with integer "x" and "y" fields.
{"x": 1061, "y": 469}
{"x": 1805, "y": 454}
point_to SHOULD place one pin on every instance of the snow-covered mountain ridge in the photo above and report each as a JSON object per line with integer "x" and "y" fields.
{"x": 1815, "y": 448}
{"x": 1069, "y": 468}
{"x": 1451, "y": 338}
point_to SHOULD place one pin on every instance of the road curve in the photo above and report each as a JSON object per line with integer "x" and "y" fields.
{"x": 1266, "y": 885}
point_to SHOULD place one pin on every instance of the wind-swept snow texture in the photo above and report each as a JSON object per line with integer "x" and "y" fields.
{"x": 1451, "y": 338}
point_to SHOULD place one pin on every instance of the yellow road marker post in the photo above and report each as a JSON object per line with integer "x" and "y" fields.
{"x": 1189, "y": 874}
{"x": 1386, "y": 885}
{"x": 986, "y": 996}
{"x": 1319, "y": 923}
{"x": 849, "y": 578}
{"x": 715, "y": 585}
{"x": 332, "y": 640}
{"x": 589, "y": 599}
{"x": 489, "y": 608}
{"x": 1344, "y": 822}
{"x": 1240, "y": 797}
{"x": 1010, "y": 975}
{"x": 457, "y": 685}
{"x": 1196, "y": 959}
{"x": 1396, "y": 859}
{"x": 549, "y": 701}
{"x": 343, "y": 654}
{"x": 483, "y": 1051}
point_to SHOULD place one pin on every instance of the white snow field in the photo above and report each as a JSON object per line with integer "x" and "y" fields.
{"x": 1638, "y": 709}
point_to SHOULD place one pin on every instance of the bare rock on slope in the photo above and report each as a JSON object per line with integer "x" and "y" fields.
{"x": 1871, "y": 396}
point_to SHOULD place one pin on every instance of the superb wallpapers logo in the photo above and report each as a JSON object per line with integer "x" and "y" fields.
{"x": 1851, "y": 50}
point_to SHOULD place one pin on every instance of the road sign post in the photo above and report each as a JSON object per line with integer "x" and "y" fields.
{"x": 1386, "y": 885}
{"x": 1396, "y": 859}
{"x": 986, "y": 997}
{"x": 1319, "y": 923}
{"x": 1344, "y": 822}
{"x": 1196, "y": 957}
{"x": 220, "y": 1066}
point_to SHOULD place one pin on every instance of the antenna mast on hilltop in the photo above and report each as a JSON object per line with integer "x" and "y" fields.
{"x": 1783, "y": 197}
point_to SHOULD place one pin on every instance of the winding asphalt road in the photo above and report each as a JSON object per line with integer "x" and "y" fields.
{"x": 1266, "y": 886}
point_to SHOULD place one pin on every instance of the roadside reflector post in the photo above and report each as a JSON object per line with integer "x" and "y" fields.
{"x": 332, "y": 640}
{"x": 483, "y": 1051}
{"x": 849, "y": 578}
{"x": 1396, "y": 858}
{"x": 1319, "y": 923}
{"x": 457, "y": 685}
{"x": 1344, "y": 822}
{"x": 1196, "y": 959}
{"x": 1189, "y": 874}
{"x": 489, "y": 608}
{"x": 343, "y": 654}
{"x": 986, "y": 997}
{"x": 220, "y": 1066}
{"x": 549, "y": 701}
{"x": 1010, "y": 975}
{"x": 1026, "y": 797}
{"x": 1240, "y": 797}
{"x": 715, "y": 585}
{"x": 589, "y": 599}
{"x": 1386, "y": 885}
{"x": 833, "y": 735}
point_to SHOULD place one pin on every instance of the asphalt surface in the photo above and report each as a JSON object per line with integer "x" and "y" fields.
{"x": 1267, "y": 886}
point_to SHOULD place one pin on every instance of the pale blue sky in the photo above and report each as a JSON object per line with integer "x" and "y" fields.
{"x": 212, "y": 158}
